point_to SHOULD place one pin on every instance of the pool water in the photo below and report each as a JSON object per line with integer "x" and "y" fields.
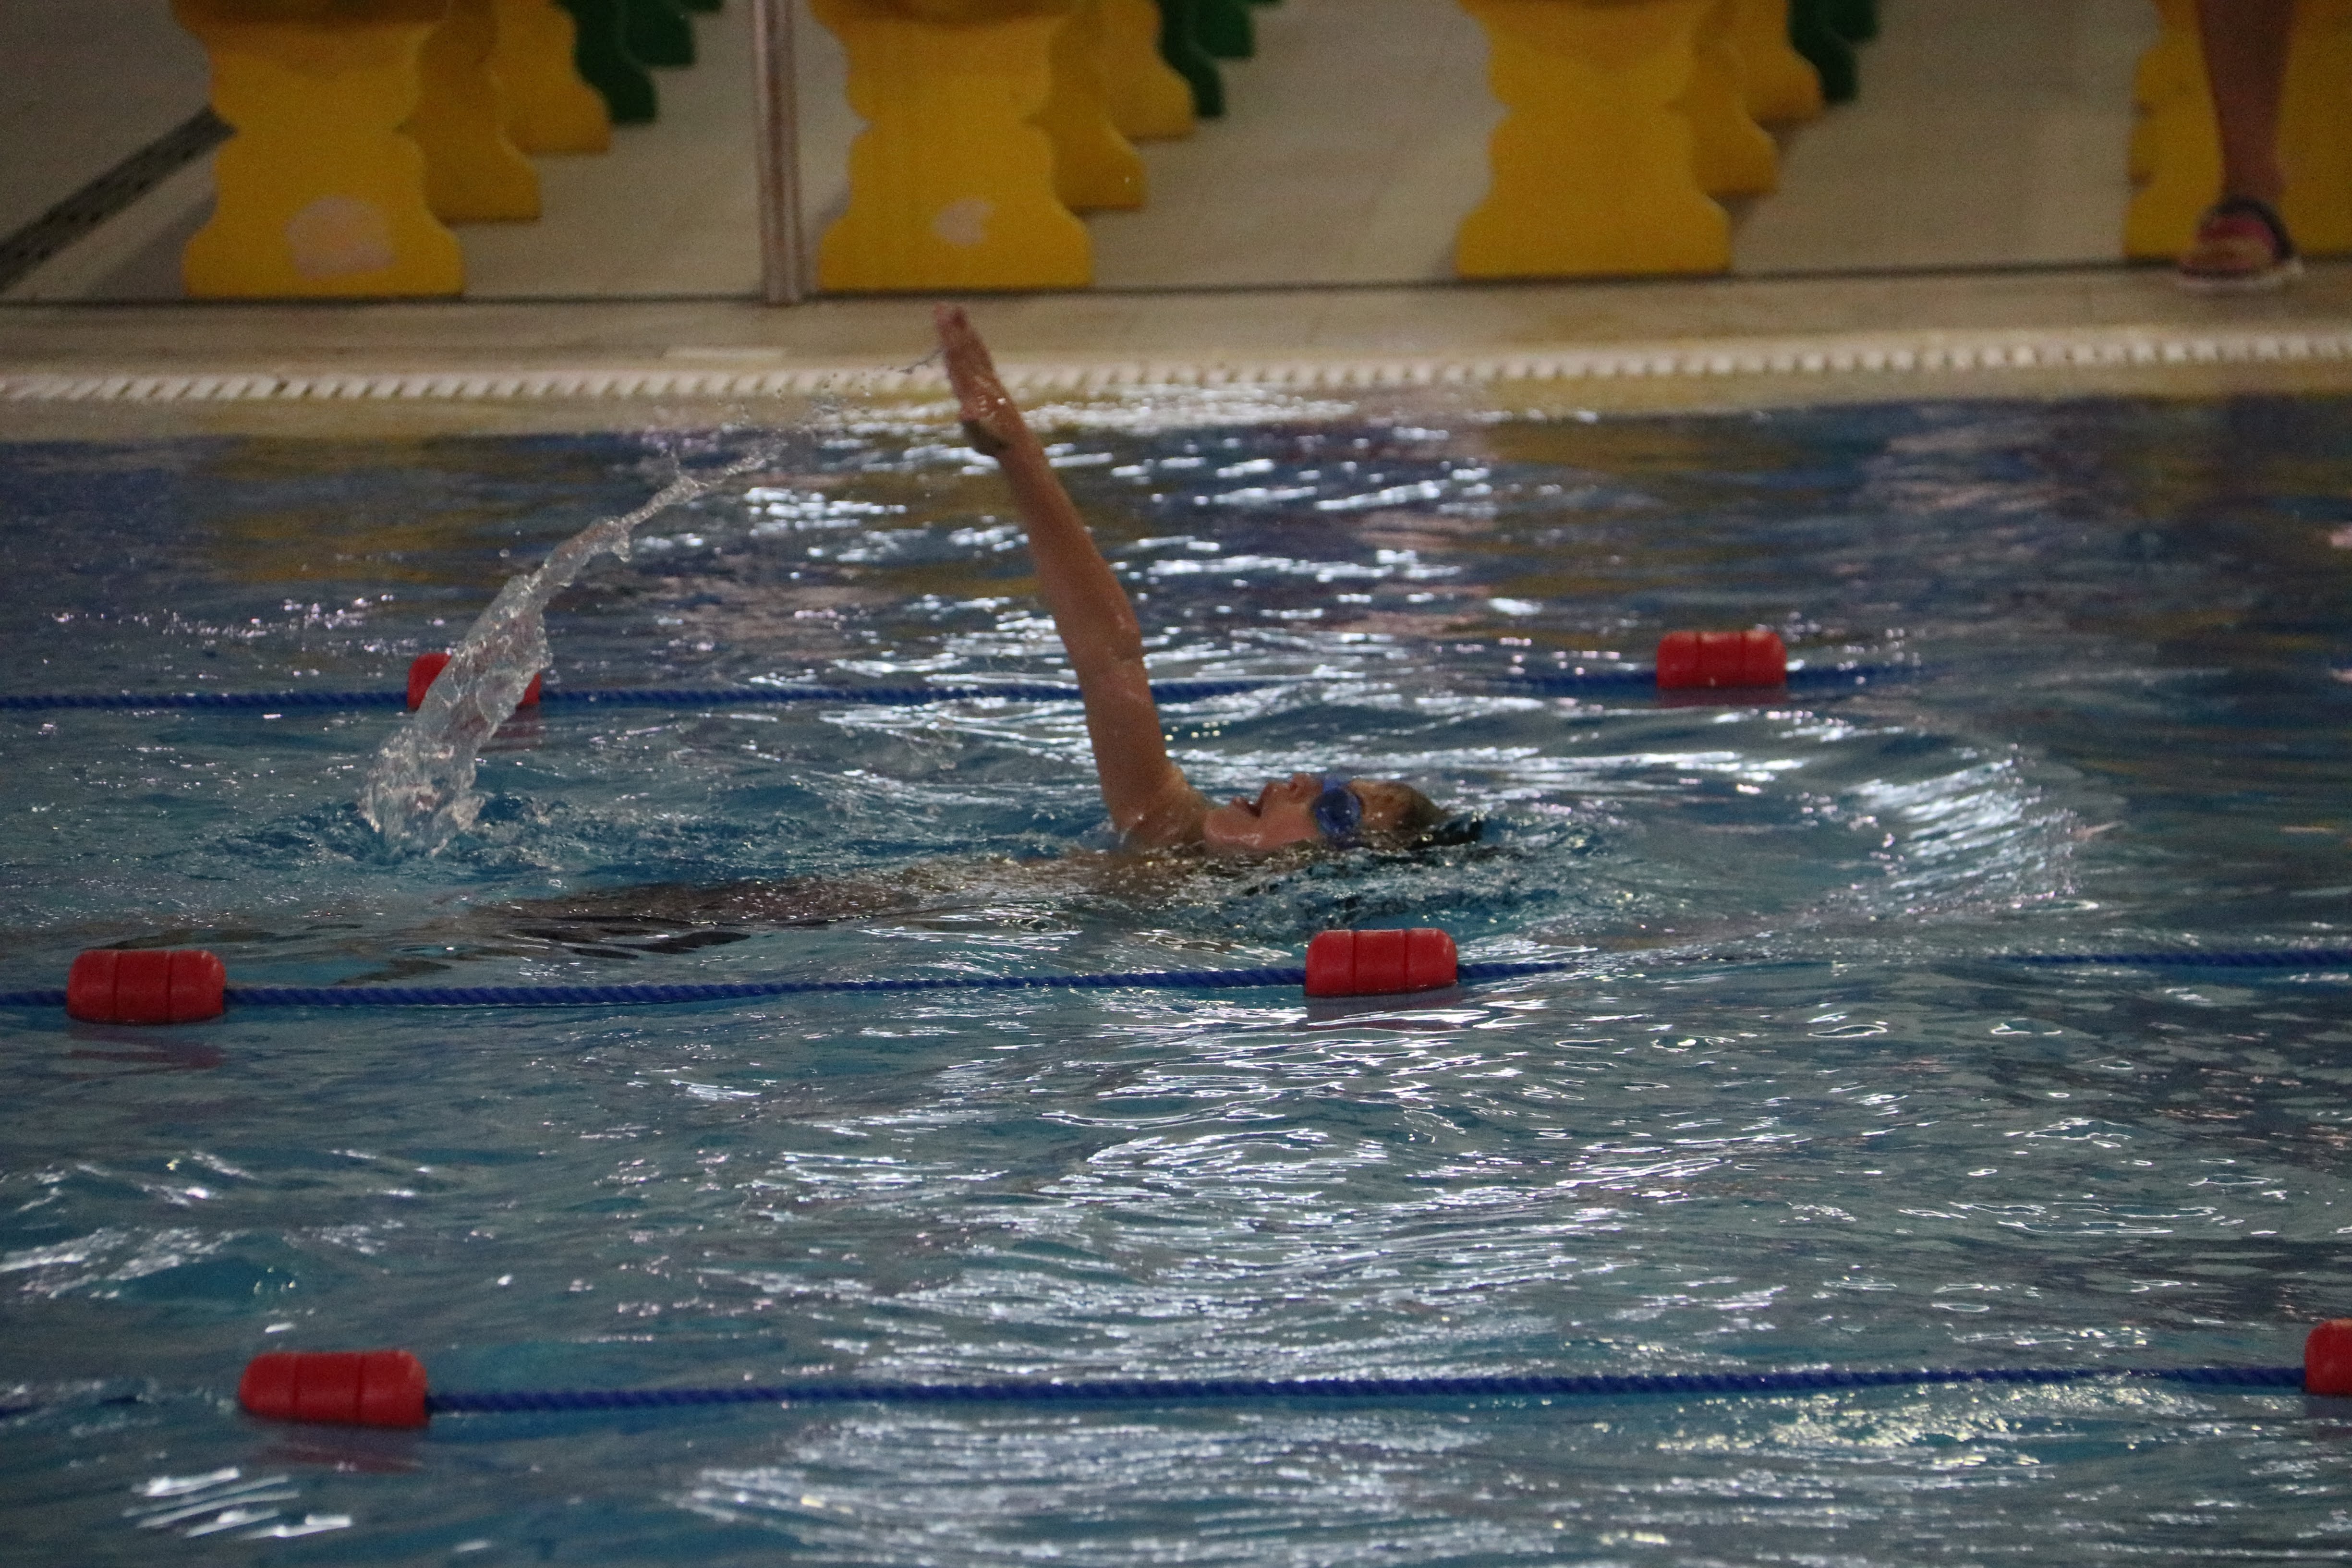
{"x": 1790, "y": 1106}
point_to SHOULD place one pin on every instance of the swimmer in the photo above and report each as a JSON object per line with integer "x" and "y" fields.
{"x": 1174, "y": 843}
{"x": 1152, "y": 803}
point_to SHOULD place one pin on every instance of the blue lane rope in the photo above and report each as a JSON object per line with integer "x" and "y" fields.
{"x": 590, "y": 995}
{"x": 2260, "y": 958}
{"x": 1802, "y": 678}
{"x": 1154, "y": 980}
{"x": 632, "y": 695}
{"x": 725, "y": 991}
{"x": 1161, "y": 1391}
{"x": 42, "y": 701}
{"x": 881, "y": 696}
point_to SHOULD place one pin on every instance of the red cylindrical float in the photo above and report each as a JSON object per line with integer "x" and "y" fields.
{"x": 145, "y": 985}
{"x": 1764, "y": 660}
{"x": 1430, "y": 960}
{"x": 423, "y": 671}
{"x": 142, "y": 986}
{"x": 1688, "y": 660}
{"x": 1379, "y": 962}
{"x": 268, "y": 1386}
{"x": 426, "y": 668}
{"x": 90, "y": 985}
{"x": 342, "y": 1388}
{"x": 392, "y": 1390}
{"x": 2327, "y": 1358}
{"x": 326, "y": 1387}
{"x": 197, "y": 982}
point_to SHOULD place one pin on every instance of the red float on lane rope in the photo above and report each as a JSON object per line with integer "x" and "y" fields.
{"x": 1689, "y": 660}
{"x": 146, "y": 985}
{"x": 1379, "y": 962}
{"x": 342, "y": 1388}
{"x": 89, "y": 986}
{"x": 426, "y": 668}
{"x": 2327, "y": 1358}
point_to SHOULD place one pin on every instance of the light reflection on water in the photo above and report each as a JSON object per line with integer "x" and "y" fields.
{"x": 1787, "y": 1112}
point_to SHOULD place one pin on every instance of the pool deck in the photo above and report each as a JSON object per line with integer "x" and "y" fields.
{"x": 98, "y": 370}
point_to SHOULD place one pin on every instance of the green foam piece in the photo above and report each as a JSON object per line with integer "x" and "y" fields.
{"x": 1857, "y": 21}
{"x": 1224, "y": 28}
{"x": 1180, "y": 45}
{"x": 601, "y": 54}
{"x": 1832, "y": 56}
{"x": 659, "y": 34}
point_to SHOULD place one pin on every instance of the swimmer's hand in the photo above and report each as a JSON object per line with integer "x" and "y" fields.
{"x": 991, "y": 418}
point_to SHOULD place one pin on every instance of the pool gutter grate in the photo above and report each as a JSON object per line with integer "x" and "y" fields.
{"x": 1884, "y": 355}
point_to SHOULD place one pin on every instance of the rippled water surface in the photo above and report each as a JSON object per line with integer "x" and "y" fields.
{"x": 1791, "y": 1107}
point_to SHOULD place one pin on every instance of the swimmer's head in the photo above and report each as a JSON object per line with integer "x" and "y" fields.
{"x": 1323, "y": 809}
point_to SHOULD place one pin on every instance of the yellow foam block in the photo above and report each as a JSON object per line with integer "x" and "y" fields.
{"x": 1592, "y": 171}
{"x": 1733, "y": 155}
{"x": 1781, "y": 84}
{"x": 1148, "y": 100}
{"x": 549, "y": 107}
{"x": 2316, "y": 129}
{"x": 950, "y": 184}
{"x": 1093, "y": 165}
{"x": 472, "y": 172}
{"x": 318, "y": 193}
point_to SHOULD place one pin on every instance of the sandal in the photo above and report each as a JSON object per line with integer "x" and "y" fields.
{"x": 2241, "y": 245}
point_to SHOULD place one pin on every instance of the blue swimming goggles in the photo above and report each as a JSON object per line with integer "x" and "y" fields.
{"x": 1340, "y": 813}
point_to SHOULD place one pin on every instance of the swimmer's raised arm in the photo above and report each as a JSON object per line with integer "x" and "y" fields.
{"x": 1150, "y": 802}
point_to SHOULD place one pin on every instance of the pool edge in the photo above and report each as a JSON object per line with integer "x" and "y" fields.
{"x": 1651, "y": 347}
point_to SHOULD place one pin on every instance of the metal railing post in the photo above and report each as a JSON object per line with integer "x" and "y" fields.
{"x": 776, "y": 96}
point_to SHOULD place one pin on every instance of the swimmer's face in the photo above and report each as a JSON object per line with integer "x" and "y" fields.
{"x": 1283, "y": 814}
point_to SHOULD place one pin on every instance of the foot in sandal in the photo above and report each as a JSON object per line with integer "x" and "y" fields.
{"x": 2241, "y": 246}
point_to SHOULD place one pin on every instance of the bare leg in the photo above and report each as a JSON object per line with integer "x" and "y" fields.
{"x": 2241, "y": 242}
{"x": 2245, "y": 62}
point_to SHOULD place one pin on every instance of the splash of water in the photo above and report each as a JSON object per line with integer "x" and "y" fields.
{"x": 420, "y": 787}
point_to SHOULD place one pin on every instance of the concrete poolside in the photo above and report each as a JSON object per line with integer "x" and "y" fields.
{"x": 99, "y": 371}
